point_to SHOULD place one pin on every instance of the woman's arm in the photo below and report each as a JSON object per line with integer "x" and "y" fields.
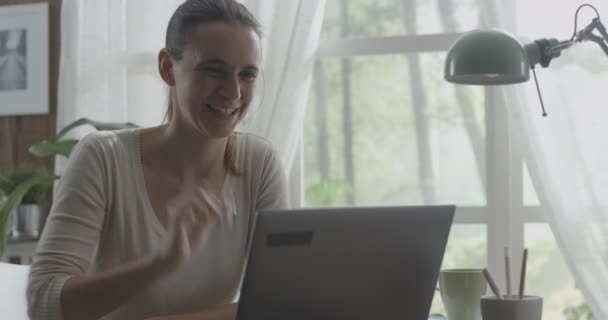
{"x": 60, "y": 286}
{"x": 93, "y": 296}
{"x": 72, "y": 230}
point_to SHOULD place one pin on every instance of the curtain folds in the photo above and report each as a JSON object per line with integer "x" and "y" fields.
{"x": 566, "y": 153}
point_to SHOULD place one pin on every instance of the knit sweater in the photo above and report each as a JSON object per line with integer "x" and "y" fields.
{"x": 101, "y": 218}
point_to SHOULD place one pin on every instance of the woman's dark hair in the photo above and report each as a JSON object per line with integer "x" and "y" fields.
{"x": 184, "y": 21}
{"x": 190, "y": 14}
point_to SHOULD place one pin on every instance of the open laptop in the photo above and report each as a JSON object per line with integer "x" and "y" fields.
{"x": 344, "y": 263}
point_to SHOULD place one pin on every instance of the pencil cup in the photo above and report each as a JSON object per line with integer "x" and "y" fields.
{"x": 511, "y": 308}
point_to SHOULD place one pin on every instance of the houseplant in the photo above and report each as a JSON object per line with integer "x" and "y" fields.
{"x": 24, "y": 191}
{"x": 29, "y": 183}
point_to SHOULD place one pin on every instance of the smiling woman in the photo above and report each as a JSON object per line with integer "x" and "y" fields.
{"x": 211, "y": 83}
{"x": 211, "y": 86}
{"x": 155, "y": 220}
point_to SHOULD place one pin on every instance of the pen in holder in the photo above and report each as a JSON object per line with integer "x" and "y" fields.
{"x": 492, "y": 284}
{"x": 511, "y": 307}
{"x": 522, "y": 278}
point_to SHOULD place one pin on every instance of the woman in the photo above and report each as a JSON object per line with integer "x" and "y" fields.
{"x": 154, "y": 222}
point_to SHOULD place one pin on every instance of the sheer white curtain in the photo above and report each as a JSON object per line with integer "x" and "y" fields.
{"x": 291, "y": 33}
{"x": 567, "y": 152}
{"x": 108, "y": 65}
{"x": 108, "y": 60}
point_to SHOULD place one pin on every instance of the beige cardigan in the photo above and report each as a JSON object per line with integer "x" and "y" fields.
{"x": 101, "y": 218}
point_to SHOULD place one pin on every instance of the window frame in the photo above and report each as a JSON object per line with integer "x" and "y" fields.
{"x": 505, "y": 214}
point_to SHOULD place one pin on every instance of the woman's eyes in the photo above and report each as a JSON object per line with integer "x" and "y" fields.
{"x": 249, "y": 75}
{"x": 217, "y": 71}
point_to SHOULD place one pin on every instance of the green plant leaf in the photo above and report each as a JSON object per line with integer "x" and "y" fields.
{"x": 69, "y": 127}
{"x": 14, "y": 199}
{"x": 10, "y": 179}
{"x": 5, "y": 182}
{"x": 48, "y": 148}
{"x": 97, "y": 124}
{"x": 56, "y": 146}
{"x": 112, "y": 125}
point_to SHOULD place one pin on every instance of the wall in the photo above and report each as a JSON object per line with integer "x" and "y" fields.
{"x": 17, "y": 133}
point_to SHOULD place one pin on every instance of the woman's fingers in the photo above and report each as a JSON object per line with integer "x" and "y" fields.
{"x": 196, "y": 225}
{"x": 185, "y": 245}
{"x": 191, "y": 212}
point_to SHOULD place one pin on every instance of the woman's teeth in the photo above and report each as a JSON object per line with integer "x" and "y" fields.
{"x": 223, "y": 110}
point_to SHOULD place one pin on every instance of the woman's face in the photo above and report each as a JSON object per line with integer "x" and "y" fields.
{"x": 215, "y": 79}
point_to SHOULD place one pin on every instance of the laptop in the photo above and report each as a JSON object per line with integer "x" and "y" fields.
{"x": 351, "y": 263}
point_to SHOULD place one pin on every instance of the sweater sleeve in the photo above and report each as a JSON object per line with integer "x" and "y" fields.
{"x": 272, "y": 192}
{"x": 72, "y": 231}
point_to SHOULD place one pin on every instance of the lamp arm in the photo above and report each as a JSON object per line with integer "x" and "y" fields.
{"x": 603, "y": 46}
{"x": 604, "y": 38}
{"x": 556, "y": 50}
{"x": 586, "y": 34}
{"x": 600, "y": 41}
{"x": 542, "y": 51}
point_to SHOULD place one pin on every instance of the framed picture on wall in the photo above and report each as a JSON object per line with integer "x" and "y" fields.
{"x": 24, "y": 59}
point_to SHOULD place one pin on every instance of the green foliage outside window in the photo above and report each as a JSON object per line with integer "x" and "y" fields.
{"x": 580, "y": 312}
{"x": 327, "y": 192}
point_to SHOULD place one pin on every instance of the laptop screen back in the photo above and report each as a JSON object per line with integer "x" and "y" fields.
{"x": 344, "y": 263}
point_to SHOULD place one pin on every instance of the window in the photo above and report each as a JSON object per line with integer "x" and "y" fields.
{"x": 383, "y": 128}
{"x": 545, "y": 266}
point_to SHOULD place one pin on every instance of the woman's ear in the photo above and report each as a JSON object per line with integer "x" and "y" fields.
{"x": 165, "y": 67}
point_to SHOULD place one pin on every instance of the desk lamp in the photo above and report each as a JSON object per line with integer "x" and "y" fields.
{"x": 494, "y": 57}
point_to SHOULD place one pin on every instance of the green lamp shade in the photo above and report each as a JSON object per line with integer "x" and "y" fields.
{"x": 487, "y": 57}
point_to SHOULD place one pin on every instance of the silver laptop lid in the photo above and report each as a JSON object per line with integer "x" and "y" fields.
{"x": 344, "y": 263}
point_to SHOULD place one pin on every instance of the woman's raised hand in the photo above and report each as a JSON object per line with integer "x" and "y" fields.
{"x": 190, "y": 212}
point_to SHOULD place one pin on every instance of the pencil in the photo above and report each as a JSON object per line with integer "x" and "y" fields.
{"x": 491, "y": 282}
{"x": 522, "y": 277}
{"x": 508, "y": 271}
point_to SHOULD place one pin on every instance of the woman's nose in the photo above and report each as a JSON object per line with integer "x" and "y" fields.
{"x": 231, "y": 88}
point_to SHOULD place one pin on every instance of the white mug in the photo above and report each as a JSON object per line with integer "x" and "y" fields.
{"x": 461, "y": 291}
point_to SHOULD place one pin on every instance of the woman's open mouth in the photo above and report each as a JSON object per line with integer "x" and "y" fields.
{"x": 221, "y": 112}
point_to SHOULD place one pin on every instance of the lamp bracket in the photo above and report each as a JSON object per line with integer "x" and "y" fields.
{"x": 546, "y": 54}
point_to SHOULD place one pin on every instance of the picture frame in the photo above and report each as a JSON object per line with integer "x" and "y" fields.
{"x": 24, "y": 59}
